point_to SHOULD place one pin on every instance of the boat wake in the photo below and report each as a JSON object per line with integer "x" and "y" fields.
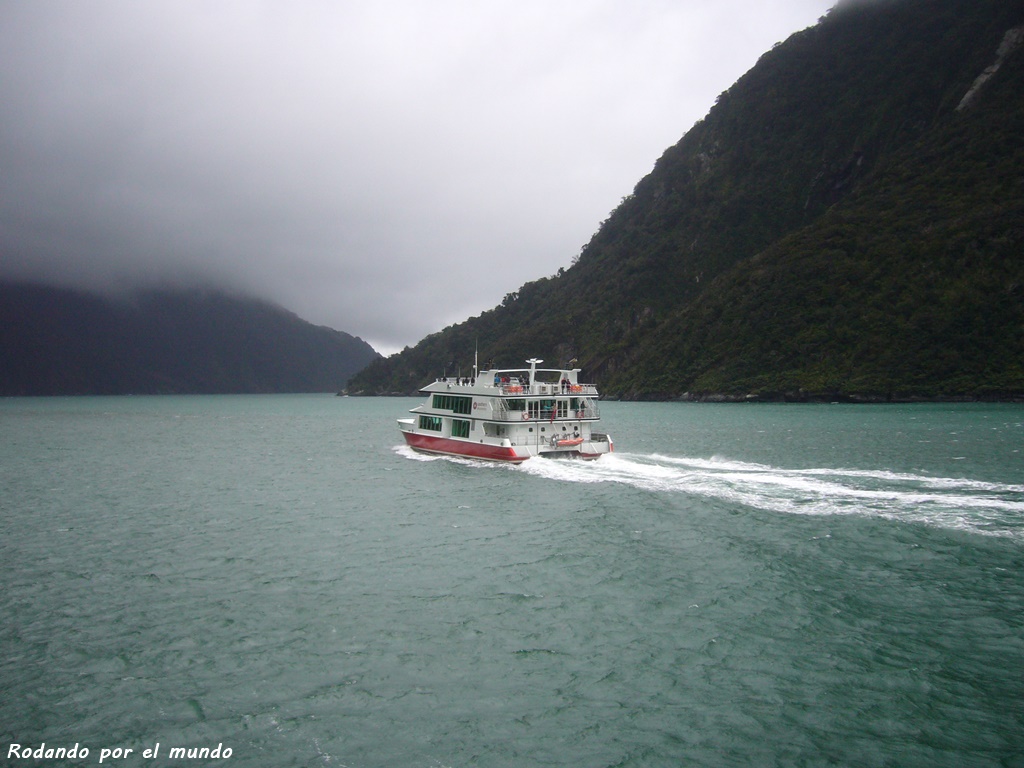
{"x": 406, "y": 452}
{"x": 948, "y": 502}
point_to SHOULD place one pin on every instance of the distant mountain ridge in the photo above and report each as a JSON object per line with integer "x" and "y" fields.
{"x": 846, "y": 222}
{"x": 56, "y": 341}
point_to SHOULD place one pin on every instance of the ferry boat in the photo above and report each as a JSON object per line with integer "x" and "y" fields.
{"x": 509, "y": 414}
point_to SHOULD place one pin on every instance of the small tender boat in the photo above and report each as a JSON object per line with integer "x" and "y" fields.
{"x": 509, "y": 414}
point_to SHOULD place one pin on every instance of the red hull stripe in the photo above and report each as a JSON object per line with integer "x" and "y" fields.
{"x": 446, "y": 445}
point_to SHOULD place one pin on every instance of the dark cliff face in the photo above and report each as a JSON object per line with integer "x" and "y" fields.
{"x": 840, "y": 223}
{"x": 61, "y": 342}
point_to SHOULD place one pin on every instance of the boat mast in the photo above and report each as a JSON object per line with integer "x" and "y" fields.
{"x": 534, "y": 362}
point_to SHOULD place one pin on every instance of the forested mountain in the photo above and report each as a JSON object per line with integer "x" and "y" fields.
{"x": 60, "y": 342}
{"x": 847, "y": 221}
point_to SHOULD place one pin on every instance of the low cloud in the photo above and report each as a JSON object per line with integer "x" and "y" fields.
{"x": 384, "y": 168}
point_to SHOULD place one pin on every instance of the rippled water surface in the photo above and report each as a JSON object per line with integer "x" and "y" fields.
{"x": 737, "y": 585}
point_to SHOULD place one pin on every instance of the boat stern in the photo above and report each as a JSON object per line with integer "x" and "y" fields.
{"x": 591, "y": 449}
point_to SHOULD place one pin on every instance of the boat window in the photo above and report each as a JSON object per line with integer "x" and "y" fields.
{"x": 553, "y": 408}
{"x": 460, "y": 428}
{"x": 453, "y": 403}
{"x": 431, "y": 423}
{"x": 516, "y": 405}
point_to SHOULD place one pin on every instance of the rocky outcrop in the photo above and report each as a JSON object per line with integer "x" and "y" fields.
{"x": 1011, "y": 42}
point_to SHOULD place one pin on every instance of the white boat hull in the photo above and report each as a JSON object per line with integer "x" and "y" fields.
{"x": 509, "y": 415}
{"x": 504, "y": 450}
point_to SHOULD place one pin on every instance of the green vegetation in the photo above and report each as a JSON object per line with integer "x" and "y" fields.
{"x": 834, "y": 228}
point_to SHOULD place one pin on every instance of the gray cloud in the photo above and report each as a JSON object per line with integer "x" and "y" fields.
{"x": 386, "y": 167}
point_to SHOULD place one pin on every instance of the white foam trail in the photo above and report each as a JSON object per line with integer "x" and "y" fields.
{"x": 983, "y": 507}
{"x": 927, "y": 480}
{"x": 406, "y": 452}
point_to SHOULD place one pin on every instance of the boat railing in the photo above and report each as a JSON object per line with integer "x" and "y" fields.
{"x": 590, "y": 411}
{"x": 547, "y": 389}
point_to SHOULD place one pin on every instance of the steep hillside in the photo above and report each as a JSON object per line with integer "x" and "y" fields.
{"x": 842, "y": 223}
{"x": 62, "y": 342}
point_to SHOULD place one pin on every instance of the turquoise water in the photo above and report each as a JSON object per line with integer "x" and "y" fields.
{"x": 737, "y": 585}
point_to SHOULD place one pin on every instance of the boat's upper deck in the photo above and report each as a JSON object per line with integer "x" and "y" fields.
{"x": 517, "y": 382}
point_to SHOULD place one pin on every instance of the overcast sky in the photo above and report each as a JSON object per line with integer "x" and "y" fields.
{"x": 384, "y": 167}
